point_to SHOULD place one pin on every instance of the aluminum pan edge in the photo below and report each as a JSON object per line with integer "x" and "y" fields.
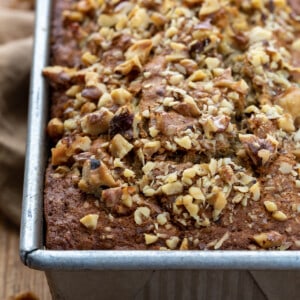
{"x": 31, "y": 242}
{"x": 162, "y": 260}
{"x": 32, "y": 217}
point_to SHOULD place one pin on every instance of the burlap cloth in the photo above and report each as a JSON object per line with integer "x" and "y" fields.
{"x": 16, "y": 27}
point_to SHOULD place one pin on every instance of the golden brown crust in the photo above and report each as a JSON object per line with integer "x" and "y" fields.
{"x": 176, "y": 125}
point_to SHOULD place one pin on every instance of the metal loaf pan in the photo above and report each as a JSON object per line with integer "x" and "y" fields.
{"x": 115, "y": 274}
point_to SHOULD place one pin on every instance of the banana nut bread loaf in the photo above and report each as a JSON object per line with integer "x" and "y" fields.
{"x": 174, "y": 125}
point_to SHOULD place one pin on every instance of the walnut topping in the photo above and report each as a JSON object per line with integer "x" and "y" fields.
{"x": 270, "y": 206}
{"x": 120, "y": 147}
{"x": 184, "y": 244}
{"x": 94, "y": 175}
{"x": 97, "y": 122}
{"x": 219, "y": 244}
{"x": 172, "y": 242}
{"x": 172, "y": 188}
{"x": 193, "y": 102}
{"x": 162, "y": 218}
{"x": 55, "y": 128}
{"x": 279, "y": 216}
{"x": 259, "y": 150}
{"x": 121, "y": 96}
{"x": 140, "y": 214}
{"x": 90, "y": 221}
{"x": 150, "y": 238}
{"x": 269, "y": 239}
{"x": 184, "y": 142}
{"x": 140, "y": 49}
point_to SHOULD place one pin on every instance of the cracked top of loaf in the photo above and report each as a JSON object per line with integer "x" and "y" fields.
{"x": 175, "y": 125}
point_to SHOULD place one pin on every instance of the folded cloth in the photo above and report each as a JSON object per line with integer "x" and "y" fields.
{"x": 16, "y": 28}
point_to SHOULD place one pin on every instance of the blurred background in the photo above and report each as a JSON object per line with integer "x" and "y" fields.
{"x": 16, "y": 30}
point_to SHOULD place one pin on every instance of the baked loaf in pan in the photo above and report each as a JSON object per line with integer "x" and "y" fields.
{"x": 175, "y": 125}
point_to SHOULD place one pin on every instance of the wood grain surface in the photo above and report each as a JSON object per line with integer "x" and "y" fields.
{"x": 15, "y": 278}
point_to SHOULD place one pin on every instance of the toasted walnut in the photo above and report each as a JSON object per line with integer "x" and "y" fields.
{"x": 220, "y": 242}
{"x": 255, "y": 191}
{"x": 286, "y": 123}
{"x": 158, "y": 19}
{"x": 107, "y": 20}
{"x": 97, "y": 122}
{"x": 172, "y": 188}
{"x": 73, "y": 16}
{"x": 151, "y": 147}
{"x": 270, "y": 206}
{"x": 139, "y": 18}
{"x": 119, "y": 146}
{"x": 140, "y": 49}
{"x": 90, "y": 221}
{"x": 128, "y": 173}
{"x": 150, "y": 238}
{"x": 55, "y": 128}
{"x": 290, "y": 102}
{"x": 59, "y": 75}
{"x": 65, "y": 148}
{"x": 140, "y": 214}
{"x": 162, "y": 218}
{"x": 259, "y": 150}
{"x": 129, "y": 65}
{"x": 191, "y": 207}
{"x": 172, "y": 242}
{"x": 268, "y": 239}
{"x": 197, "y": 194}
{"x": 219, "y": 201}
{"x": 89, "y": 59}
{"x": 279, "y": 216}
{"x": 95, "y": 174}
{"x": 121, "y": 96}
{"x": 184, "y": 142}
{"x": 184, "y": 244}
{"x": 209, "y": 7}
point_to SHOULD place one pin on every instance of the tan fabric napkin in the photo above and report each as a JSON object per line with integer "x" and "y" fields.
{"x": 16, "y": 28}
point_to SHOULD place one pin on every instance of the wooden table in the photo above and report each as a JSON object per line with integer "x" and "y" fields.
{"x": 14, "y": 276}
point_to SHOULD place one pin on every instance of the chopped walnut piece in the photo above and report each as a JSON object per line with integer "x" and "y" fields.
{"x": 119, "y": 146}
{"x": 55, "y": 128}
{"x": 90, "y": 221}
{"x": 184, "y": 142}
{"x": 270, "y": 206}
{"x": 121, "y": 96}
{"x": 172, "y": 242}
{"x": 140, "y": 49}
{"x": 172, "y": 188}
{"x": 220, "y": 242}
{"x": 269, "y": 239}
{"x": 140, "y": 214}
{"x": 279, "y": 216}
{"x": 65, "y": 149}
{"x": 150, "y": 238}
{"x": 219, "y": 201}
{"x": 259, "y": 150}
{"x": 151, "y": 147}
{"x": 255, "y": 191}
{"x": 184, "y": 244}
{"x": 97, "y": 122}
{"x": 290, "y": 102}
{"x": 209, "y": 7}
{"x": 129, "y": 65}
